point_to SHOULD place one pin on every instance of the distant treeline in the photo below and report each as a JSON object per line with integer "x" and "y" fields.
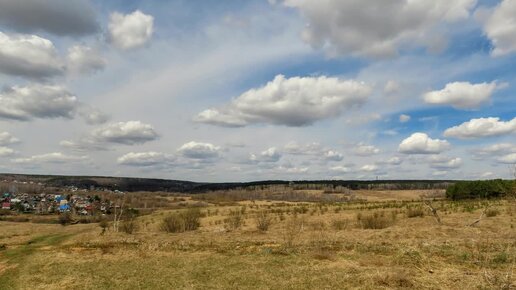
{"x": 148, "y": 184}
{"x": 481, "y": 189}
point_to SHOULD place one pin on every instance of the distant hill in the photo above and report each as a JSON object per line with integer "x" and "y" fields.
{"x": 152, "y": 184}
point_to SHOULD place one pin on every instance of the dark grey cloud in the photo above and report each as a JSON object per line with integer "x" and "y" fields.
{"x": 60, "y": 17}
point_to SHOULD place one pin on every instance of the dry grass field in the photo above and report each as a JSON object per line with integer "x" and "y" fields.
{"x": 385, "y": 240}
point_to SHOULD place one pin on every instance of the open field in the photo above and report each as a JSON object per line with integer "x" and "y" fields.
{"x": 377, "y": 243}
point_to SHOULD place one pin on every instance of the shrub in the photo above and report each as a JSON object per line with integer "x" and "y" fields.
{"x": 188, "y": 220}
{"x": 192, "y": 219}
{"x": 292, "y": 230}
{"x": 65, "y": 218}
{"x": 263, "y": 221}
{"x": 103, "y": 224}
{"x": 234, "y": 221}
{"x": 413, "y": 212}
{"x": 340, "y": 225}
{"x": 377, "y": 220}
{"x": 492, "y": 212}
{"x": 129, "y": 226}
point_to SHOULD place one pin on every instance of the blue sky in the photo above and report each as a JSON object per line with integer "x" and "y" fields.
{"x": 248, "y": 90}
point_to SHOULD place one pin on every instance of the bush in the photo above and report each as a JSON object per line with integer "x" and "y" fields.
{"x": 188, "y": 220}
{"x": 480, "y": 189}
{"x": 340, "y": 225}
{"x": 103, "y": 224}
{"x": 65, "y": 218}
{"x": 415, "y": 212}
{"x": 492, "y": 212}
{"x": 377, "y": 220}
{"x": 129, "y": 226}
{"x": 263, "y": 221}
{"x": 234, "y": 221}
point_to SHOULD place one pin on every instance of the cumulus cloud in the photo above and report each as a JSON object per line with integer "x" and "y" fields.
{"x": 128, "y": 133}
{"x": 443, "y": 162}
{"x": 462, "y": 95}
{"x": 421, "y": 143}
{"x": 379, "y": 28}
{"x": 145, "y": 159}
{"x": 332, "y": 155}
{"x": 500, "y": 28}
{"x": 56, "y": 157}
{"x": 84, "y": 60}
{"x": 482, "y": 127}
{"x": 131, "y": 30}
{"x": 508, "y": 159}
{"x": 198, "y": 150}
{"x": 5, "y": 151}
{"x": 37, "y": 101}
{"x": 296, "y": 101}
{"x": 270, "y": 155}
{"x": 404, "y": 118}
{"x": 29, "y": 56}
{"x": 7, "y": 139}
{"x": 60, "y": 17}
{"x": 365, "y": 150}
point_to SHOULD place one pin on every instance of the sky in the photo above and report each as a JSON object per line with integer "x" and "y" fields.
{"x": 256, "y": 90}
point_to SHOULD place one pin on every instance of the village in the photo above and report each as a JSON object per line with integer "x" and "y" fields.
{"x": 66, "y": 200}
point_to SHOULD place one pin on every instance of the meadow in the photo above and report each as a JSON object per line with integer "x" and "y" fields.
{"x": 254, "y": 240}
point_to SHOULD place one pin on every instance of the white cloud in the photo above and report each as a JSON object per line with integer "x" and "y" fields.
{"x": 443, "y": 162}
{"x": 340, "y": 169}
{"x": 7, "y": 139}
{"x": 421, "y": 143}
{"x": 56, "y": 157}
{"x": 296, "y": 101}
{"x": 482, "y": 127}
{"x": 332, "y": 155}
{"x": 197, "y": 150}
{"x": 84, "y": 60}
{"x": 131, "y": 30}
{"x": 404, "y": 118}
{"x": 270, "y": 155}
{"x": 369, "y": 168}
{"x": 145, "y": 159}
{"x": 365, "y": 150}
{"x": 500, "y": 28}
{"x": 37, "y": 101}
{"x": 508, "y": 159}
{"x": 4, "y": 151}
{"x": 28, "y": 55}
{"x": 380, "y": 27}
{"x": 462, "y": 95}
{"x": 128, "y": 133}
